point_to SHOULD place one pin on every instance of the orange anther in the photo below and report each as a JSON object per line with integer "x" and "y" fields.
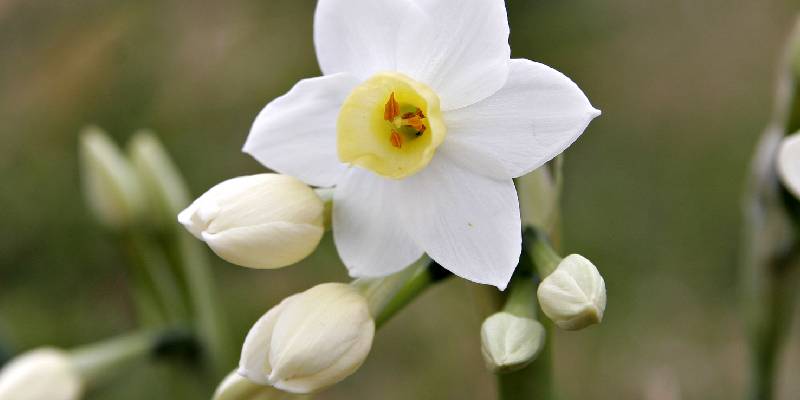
{"x": 392, "y": 109}
{"x": 396, "y": 139}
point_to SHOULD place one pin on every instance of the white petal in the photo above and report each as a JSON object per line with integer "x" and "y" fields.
{"x": 369, "y": 235}
{"x": 295, "y": 134}
{"x": 265, "y": 246}
{"x": 254, "y": 362}
{"x": 533, "y": 118}
{"x": 359, "y": 36}
{"x": 789, "y": 163}
{"x": 457, "y": 47}
{"x": 467, "y": 222}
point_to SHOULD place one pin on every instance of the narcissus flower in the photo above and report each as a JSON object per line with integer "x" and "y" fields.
{"x": 421, "y": 121}
{"x": 789, "y": 164}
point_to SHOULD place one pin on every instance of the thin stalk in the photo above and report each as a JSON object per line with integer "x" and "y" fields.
{"x": 534, "y": 382}
{"x": 422, "y": 279}
{"x": 208, "y": 320}
{"x": 98, "y": 361}
{"x": 152, "y": 264}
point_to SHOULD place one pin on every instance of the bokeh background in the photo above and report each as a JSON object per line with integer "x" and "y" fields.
{"x": 652, "y": 189}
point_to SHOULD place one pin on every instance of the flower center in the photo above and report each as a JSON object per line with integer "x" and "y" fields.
{"x": 391, "y": 125}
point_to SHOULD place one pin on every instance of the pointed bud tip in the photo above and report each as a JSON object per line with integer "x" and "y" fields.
{"x": 574, "y": 295}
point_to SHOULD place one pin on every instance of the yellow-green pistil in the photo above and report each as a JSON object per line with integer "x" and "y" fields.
{"x": 390, "y": 125}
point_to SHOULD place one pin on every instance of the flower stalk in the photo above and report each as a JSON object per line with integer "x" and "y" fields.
{"x": 771, "y": 249}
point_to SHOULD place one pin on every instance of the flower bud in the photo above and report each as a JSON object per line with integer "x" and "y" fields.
{"x": 310, "y": 340}
{"x": 42, "y": 374}
{"x": 789, "y": 164}
{"x": 162, "y": 183}
{"x": 509, "y": 342}
{"x": 258, "y": 221}
{"x": 110, "y": 184}
{"x": 236, "y": 387}
{"x": 574, "y": 295}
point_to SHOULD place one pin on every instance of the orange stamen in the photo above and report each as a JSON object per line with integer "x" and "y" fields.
{"x": 396, "y": 139}
{"x": 391, "y": 109}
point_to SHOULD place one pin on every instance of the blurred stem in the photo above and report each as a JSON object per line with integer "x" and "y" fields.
{"x": 99, "y": 361}
{"x": 771, "y": 250}
{"x": 155, "y": 271}
{"x": 156, "y": 292}
{"x": 96, "y": 362}
{"x": 208, "y": 320}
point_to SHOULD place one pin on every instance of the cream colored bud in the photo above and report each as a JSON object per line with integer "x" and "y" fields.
{"x": 789, "y": 164}
{"x": 110, "y": 185}
{"x": 509, "y": 342}
{"x": 237, "y": 387}
{"x": 42, "y": 374}
{"x": 574, "y": 295}
{"x": 309, "y": 341}
{"x": 258, "y": 221}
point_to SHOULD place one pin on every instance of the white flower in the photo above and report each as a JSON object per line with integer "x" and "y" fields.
{"x": 42, "y": 374}
{"x": 510, "y": 342}
{"x": 574, "y": 295}
{"x": 421, "y": 120}
{"x": 789, "y": 164}
{"x": 236, "y": 387}
{"x": 309, "y": 341}
{"x": 258, "y": 221}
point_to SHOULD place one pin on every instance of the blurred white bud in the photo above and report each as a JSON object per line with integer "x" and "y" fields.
{"x": 110, "y": 185}
{"x": 237, "y": 387}
{"x": 309, "y": 341}
{"x": 258, "y": 221}
{"x": 161, "y": 181}
{"x": 789, "y": 163}
{"x": 42, "y": 374}
{"x": 574, "y": 295}
{"x": 509, "y": 342}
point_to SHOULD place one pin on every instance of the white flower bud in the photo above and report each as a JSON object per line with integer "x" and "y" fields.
{"x": 574, "y": 295}
{"x": 509, "y": 342}
{"x": 237, "y": 387}
{"x": 258, "y": 221}
{"x": 789, "y": 163}
{"x": 110, "y": 185}
{"x": 309, "y": 341}
{"x": 42, "y": 374}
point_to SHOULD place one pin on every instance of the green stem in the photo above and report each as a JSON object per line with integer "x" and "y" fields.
{"x": 521, "y": 299}
{"x": 98, "y": 361}
{"x": 544, "y": 258}
{"x": 152, "y": 264}
{"x": 387, "y": 296}
{"x": 535, "y": 381}
{"x": 208, "y": 320}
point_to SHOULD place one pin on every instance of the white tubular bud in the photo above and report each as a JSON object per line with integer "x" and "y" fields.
{"x": 41, "y": 374}
{"x": 574, "y": 295}
{"x": 110, "y": 185}
{"x": 789, "y": 164}
{"x": 509, "y": 342}
{"x": 259, "y": 221}
{"x": 237, "y": 387}
{"x": 309, "y": 341}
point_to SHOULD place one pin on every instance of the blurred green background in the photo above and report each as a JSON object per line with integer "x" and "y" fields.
{"x": 652, "y": 187}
